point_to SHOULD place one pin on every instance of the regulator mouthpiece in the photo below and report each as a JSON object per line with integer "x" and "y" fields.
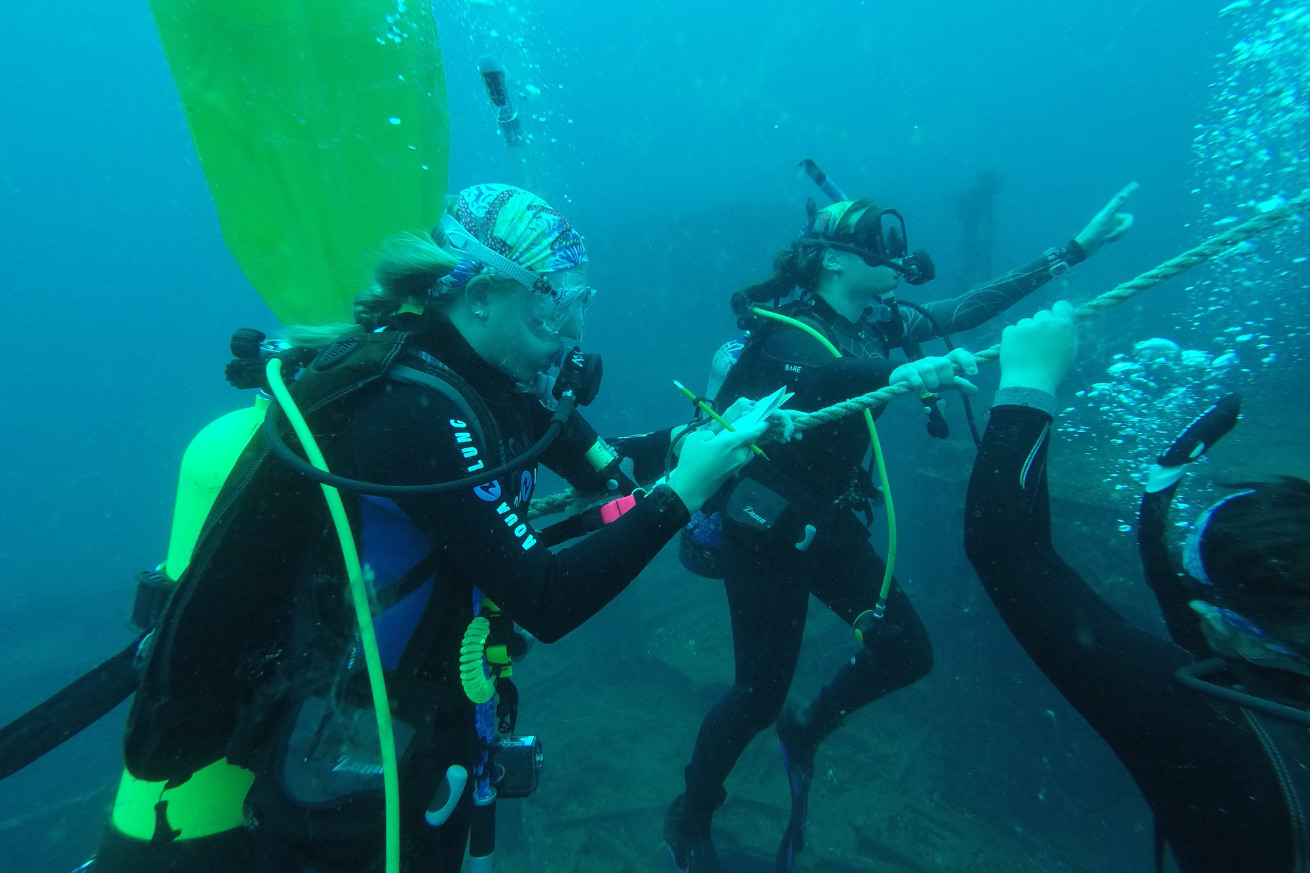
{"x": 920, "y": 268}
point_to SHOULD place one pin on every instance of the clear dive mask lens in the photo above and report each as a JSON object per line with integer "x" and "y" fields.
{"x": 561, "y": 310}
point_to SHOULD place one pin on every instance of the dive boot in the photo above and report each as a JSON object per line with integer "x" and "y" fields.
{"x": 691, "y": 854}
{"x": 798, "y": 760}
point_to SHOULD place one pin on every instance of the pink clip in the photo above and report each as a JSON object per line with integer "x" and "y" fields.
{"x": 612, "y": 510}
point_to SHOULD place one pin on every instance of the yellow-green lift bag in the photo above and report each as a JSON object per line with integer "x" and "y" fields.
{"x": 322, "y": 128}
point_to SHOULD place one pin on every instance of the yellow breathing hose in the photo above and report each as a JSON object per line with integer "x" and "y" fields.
{"x": 881, "y": 608}
{"x": 363, "y": 614}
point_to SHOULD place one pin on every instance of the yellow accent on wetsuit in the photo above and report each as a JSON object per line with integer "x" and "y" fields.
{"x": 322, "y": 128}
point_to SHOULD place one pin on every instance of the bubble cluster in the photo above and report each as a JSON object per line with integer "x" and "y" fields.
{"x": 396, "y": 25}
{"x": 1253, "y": 154}
{"x": 1246, "y": 317}
{"x": 1150, "y": 395}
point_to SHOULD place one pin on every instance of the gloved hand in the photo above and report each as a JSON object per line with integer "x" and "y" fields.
{"x": 1196, "y": 439}
{"x": 708, "y": 460}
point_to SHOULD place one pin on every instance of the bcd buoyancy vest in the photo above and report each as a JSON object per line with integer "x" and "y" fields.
{"x": 252, "y": 659}
{"x": 766, "y": 501}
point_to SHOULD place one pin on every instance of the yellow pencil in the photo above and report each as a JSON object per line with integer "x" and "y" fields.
{"x": 714, "y": 415}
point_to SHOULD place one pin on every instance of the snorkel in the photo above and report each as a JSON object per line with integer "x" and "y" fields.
{"x": 877, "y": 238}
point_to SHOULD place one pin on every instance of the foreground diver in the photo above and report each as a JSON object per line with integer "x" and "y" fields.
{"x": 1221, "y": 764}
{"x": 257, "y": 658}
{"x": 850, "y": 258}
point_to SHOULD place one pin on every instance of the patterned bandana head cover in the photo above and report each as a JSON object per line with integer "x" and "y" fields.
{"x": 517, "y": 224}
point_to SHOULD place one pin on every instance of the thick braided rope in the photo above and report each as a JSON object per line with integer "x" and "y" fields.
{"x": 1170, "y": 268}
{"x": 1216, "y": 245}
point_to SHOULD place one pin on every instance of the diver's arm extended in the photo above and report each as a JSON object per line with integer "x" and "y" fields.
{"x": 404, "y": 435}
{"x": 1118, "y": 676}
{"x": 1174, "y": 589}
{"x": 975, "y": 307}
{"x": 980, "y": 305}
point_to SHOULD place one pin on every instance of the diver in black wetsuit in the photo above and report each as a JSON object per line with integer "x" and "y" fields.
{"x": 851, "y": 256}
{"x": 1222, "y": 765}
{"x": 256, "y": 659}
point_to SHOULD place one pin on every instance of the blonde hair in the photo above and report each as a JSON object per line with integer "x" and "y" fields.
{"x": 799, "y": 266}
{"x": 404, "y": 279}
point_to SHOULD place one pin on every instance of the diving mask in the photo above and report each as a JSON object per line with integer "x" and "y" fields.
{"x": 1234, "y": 635}
{"x": 878, "y": 238}
{"x": 559, "y": 299}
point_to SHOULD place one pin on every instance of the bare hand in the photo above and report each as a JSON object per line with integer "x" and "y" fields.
{"x": 708, "y": 460}
{"x": 1038, "y": 351}
{"x": 930, "y": 375}
{"x": 1108, "y": 225}
{"x": 740, "y": 407}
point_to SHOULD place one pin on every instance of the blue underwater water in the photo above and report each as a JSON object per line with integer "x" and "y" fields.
{"x": 670, "y": 133}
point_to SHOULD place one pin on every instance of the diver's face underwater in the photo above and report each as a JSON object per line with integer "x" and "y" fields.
{"x": 527, "y": 331}
{"x": 862, "y": 279}
{"x": 869, "y": 257}
{"x": 1267, "y": 630}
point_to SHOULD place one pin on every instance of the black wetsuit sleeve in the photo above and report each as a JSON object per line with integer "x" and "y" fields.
{"x": 648, "y": 452}
{"x": 1119, "y": 677}
{"x": 980, "y": 305}
{"x": 818, "y": 378}
{"x": 406, "y": 435}
{"x": 1173, "y": 590}
{"x": 567, "y": 455}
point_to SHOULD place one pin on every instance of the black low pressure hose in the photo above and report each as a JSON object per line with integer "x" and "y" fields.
{"x": 374, "y": 489}
{"x": 1192, "y": 676}
{"x": 950, "y": 346}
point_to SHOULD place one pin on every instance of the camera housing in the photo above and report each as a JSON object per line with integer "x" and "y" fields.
{"x": 516, "y": 764}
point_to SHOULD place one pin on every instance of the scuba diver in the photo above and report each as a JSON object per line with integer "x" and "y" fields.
{"x": 788, "y": 528}
{"x": 431, "y": 416}
{"x": 1211, "y": 725}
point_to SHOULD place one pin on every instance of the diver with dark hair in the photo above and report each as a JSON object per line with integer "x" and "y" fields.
{"x": 1211, "y": 725}
{"x": 789, "y": 527}
{"x": 429, "y": 415}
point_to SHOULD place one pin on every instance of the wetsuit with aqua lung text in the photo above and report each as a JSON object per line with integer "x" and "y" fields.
{"x": 405, "y": 434}
{"x": 1217, "y": 777}
{"x": 302, "y": 648}
{"x": 768, "y": 580}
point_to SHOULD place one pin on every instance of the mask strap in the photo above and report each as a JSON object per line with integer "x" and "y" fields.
{"x": 1192, "y": 562}
{"x": 468, "y": 246}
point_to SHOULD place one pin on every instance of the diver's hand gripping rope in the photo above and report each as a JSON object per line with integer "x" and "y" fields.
{"x": 1205, "y": 251}
{"x": 363, "y": 615}
{"x": 1216, "y": 245}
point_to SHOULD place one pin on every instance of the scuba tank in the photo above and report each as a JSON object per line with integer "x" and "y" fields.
{"x": 148, "y": 815}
